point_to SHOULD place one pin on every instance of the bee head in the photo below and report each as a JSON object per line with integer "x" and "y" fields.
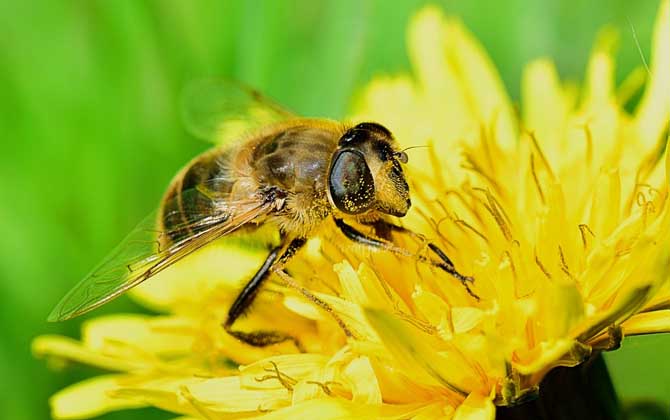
{"x": 366, "y": 173}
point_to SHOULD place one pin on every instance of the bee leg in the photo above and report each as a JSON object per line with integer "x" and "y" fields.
{"x": 385, "y": 229}
{"x": 278, "y": 268}
{"x": 245, "y": 298}
{"x": 290, "y": 282}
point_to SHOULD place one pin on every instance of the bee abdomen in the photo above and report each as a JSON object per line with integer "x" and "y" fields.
{"x": 186, "y": 204}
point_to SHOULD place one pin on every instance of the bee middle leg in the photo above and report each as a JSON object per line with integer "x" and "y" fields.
{"x": 246, "y": 297}
{"x": 384, "y": 230}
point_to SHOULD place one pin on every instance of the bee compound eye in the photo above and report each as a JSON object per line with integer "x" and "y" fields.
{"x": 350, "y": 182}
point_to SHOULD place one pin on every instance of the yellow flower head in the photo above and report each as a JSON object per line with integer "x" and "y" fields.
{"x": 560, "y": 214}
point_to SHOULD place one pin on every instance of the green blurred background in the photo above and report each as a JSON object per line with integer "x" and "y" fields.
{"x": 91, "y": 132}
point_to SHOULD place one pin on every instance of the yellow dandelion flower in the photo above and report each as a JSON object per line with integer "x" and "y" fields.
{"x": 560, "y": 214}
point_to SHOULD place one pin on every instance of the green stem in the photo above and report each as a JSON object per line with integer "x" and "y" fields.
{"x": 580, "y": 392}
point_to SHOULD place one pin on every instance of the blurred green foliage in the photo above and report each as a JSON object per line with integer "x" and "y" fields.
{"x": 91, "y": 133}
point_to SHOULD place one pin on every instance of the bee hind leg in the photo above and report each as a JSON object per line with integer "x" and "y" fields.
{"x": 290, "y": 282}
{"x": 246, "y": 297}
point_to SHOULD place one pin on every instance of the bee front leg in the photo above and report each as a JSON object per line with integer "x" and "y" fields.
{"x": 248, "y": 294}
{"x": 385, "y": 228}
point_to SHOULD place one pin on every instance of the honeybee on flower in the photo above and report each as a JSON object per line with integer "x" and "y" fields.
{"x": 560, "y": 214}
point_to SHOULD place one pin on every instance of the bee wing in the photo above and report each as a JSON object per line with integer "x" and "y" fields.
{"x": 140, "y": 255}
{"x": 218, "y": 110}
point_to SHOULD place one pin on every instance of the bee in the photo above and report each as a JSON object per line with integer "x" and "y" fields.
{"x": 283, "y": 171}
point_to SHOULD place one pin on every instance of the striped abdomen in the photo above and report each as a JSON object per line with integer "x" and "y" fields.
{"x": 185, "y": 205}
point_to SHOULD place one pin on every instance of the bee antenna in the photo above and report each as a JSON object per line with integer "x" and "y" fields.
{"x": 413, "y": 147}
{"x": 402, "y": 156}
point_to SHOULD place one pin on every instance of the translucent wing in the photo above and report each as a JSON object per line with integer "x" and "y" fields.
{"x": 218, "y": 110}
{"x": 148, "y": 250}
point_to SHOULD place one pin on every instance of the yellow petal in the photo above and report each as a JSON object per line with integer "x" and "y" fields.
{"x": 450, "y": 63}
{"x": 228, "y": 395}
{"x": 414, "y": 354}
{"x": 309, "y": 390}
{"x": 605, "y": 205}
{"x": 323, "y": 409}
{"x": 165, "y": 392}
{"x": 546, "y": 106}
{"x": 599, "y": 85}
{"x": 365, "y": 388}
{"x": 654, "y": 109}
{"x": 623, "y": 307}
{"x": 297, "y": 366}
{"x": 435, "y": 411}
{"x": 300, "y": 306}
{"x": 339, "y": 409}
{"x": 428, "y": 46}
{"x": 90, "y": 398}
{"x": 69, "y": 349}
{"x": 352, "y": 315}
{"x": 434, "y": 309}
{"x": 394, "y": 382}
{"x": 143, "y": 334}
{"x": 365, "y": 288}
{"x": 352, "y": 289}
{"x": 466, "y": 318}
{"x": 561, "y": 308}
{"x": 631, "y": 85}
{"x": 562, "y": 352}
{"x": 598, "y": 284}
{"x": 488, "y": 100}
{"x": 476, "y": 407}
{"x": 647, "y": 323}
